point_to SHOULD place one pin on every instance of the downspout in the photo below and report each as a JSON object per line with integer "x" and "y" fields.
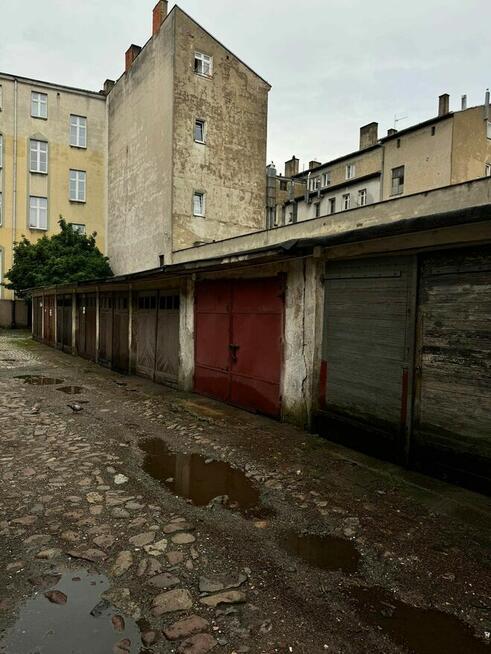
{"x": 14, "y": 189}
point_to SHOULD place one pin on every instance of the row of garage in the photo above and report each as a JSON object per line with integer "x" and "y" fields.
{"x": 390, "y": 354}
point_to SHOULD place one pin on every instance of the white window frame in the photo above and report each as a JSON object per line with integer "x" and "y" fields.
{"x": 201, "y": 212}
{"x": 350, "y": 171}
{"x": 37, "y": 149}
{"x": 346, "y": 201}
{"x": 326, "y": 179}
{"x": 38, "y": 207}
{"x": 79, "y": 227}
{"x": 317, "y": 209}
{"x": 399, "y": 189}
{"x": 362, "y": 197}
{"x": 332, "y": 206}
{"x": 203, "y": 64}
{"x": 77, "y": 183}
{"x": 39, "y": 105}
{"x": 78, "y": 131}
{"x": 315, "y": 183}
{"x": 201, "y": 122}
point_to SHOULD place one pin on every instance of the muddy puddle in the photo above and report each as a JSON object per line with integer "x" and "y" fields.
{"x": 71, "y": 390}
{"x": 201, "y": 480}
{"x": 40, "y": 380}
{"x": 322, "y": 551}
{"x": 418, "y": 631}
{"x": 69, "y": 616}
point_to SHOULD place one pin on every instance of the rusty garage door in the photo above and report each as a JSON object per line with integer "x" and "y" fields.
{"x": 157, "y": 335}
{"x": 86, "y": 325}
{"x": 239, "y": 342}
{"x": 367, "y": 349}
{"x": 453, "y": 364}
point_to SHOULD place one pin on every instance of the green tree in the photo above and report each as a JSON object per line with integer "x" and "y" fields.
{"x": 66, "y": 257}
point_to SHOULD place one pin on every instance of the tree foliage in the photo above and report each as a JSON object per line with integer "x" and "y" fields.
{"x": 66, "y": 257}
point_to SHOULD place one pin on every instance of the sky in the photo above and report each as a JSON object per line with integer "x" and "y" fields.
{"x": 334, "y": 65}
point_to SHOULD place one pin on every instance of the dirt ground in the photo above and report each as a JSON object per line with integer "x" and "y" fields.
{"x": 211, "y": 529}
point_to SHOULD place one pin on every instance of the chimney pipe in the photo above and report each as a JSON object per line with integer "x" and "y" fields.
{"x": 292, "y": 167}
{"x": 368, "y": 135}
{"x": 443, "y": 104}
{"x": 486, "y": 105}
{"x": 314, "y": 164}
{"x": 159, "y": 15}
{"x": 464, "y": 103}
{"x": 131, "y": 54}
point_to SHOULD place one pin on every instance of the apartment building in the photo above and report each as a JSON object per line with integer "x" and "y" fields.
{"x": 451, "y": 148}
{"x": 187, "y": 145}
{"x": 52, "y": 162}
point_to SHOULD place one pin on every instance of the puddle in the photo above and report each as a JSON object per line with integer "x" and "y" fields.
{"x": 419, "y": 631}
{"x": 324, "y": 552}
{"x": 40, "y": 380}
{"x": 83, "y": 624}
{"x": 189, "y": 476}
{"x": 71, "y": 390}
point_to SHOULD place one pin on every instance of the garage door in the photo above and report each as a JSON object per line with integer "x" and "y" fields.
{"x": 367, "y": 346}
{"x": 453, "y": 389}
{"x": 239, "y": 342}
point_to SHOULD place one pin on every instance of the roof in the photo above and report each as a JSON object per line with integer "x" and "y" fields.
{"x": 52, "y": 85}
{"x": 414, "y": 128}
{"x": 295, "y": 247}
{"x": 332, "y": 162}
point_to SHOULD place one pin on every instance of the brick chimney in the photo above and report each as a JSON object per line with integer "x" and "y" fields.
{"x": 159, "y": 15}
{"x": 368, "y": 135}
{"x": 108, "y": 87}
{"x": 443, "y": 104}
{"x": 314, "y": 164}
{"x": 131, "y": 54}
{"x": 391, "y": 131}
{"x": 292, "y": 167}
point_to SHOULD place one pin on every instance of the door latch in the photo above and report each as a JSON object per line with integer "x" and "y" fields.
{"x": 233, "y": 350}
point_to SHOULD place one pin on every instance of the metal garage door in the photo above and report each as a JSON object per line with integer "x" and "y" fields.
{"x": 239, "y": 342}
{"x": 86, "y": 325}
{"x": 64, "y": 322}
{"x": 120, "y": 333}
{"x": 453, "y": 382}
{"x": 105, "y": 328}
{"x": 367, "y": 346}
{"x": 146, "y": 328}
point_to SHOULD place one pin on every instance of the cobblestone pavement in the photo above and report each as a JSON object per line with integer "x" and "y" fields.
{"x": 289, "y": 544}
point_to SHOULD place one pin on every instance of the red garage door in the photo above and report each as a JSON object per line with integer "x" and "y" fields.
{"x": 239, "y": 342}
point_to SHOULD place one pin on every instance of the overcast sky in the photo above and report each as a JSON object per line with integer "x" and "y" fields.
{"x": 334, "y": 64}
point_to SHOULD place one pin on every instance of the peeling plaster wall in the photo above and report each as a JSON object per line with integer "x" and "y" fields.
{"x": 471, "y": 147}
{"x": 229, "y": 168}
{"x": 186, "y": 335}
{"x": 140, "y": 119}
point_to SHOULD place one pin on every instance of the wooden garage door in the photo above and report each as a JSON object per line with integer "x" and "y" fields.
{"x": 167, "y": 348}
{"x": 120, "y": 332}
{"x": 86, "y": 325}
{"x": 146, "y": 327}
{"x": 239, "y": 342}
{"x": 367, "y": 344}
{"x": 105, "y": 328}
{"x": 453, "y": 383}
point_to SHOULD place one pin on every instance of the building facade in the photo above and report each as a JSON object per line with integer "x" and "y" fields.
{"x": 451, "y": 148}
{"x": 52, "y": 162}
{"x": 187, "y": 145}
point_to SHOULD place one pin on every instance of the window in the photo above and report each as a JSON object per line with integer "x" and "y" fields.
{"x": 78, "y": 227}
{"x": 489, "y": 129}
{"x": 317, "y": 209}
{"x": 362, "y": 197}
{"x": 350, "y": 171}
{"x": 433, "y": 130}
{"x": 283, "y": 185}
{"x": 77, "y": 185}
{"x": 1, "y": 151}
{"x": 292, "y": 213}
{"x": 346, "y": 201}
{"x": 314, "y": 183}
{"x": 398, "y": 143}
{"x": 38, "y": 212}
{"x": 199, "y": 131}
{"x": 39, "y": 157}
{"x": 78, "y": 131}
{"x": 326, "y": 179}
{"x": 397, "y": 180}
{"x": 332, "y": 205}
{"x": 39, "y": 105}
{"x": 487, "y": 170}
{"x": 203, "y": 64}
{"x": 198, "y": 204}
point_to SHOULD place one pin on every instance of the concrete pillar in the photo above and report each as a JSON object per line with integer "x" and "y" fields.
{"x": 131, "y": 365}
{"x": 186, "y": 335}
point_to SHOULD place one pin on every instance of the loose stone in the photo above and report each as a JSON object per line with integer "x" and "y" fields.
{"x": 56, "y": 597}
{"x": 142, "y": 539}
{"x": 183, "y": 539}
{"x": 228, "y": 597}
{"x": 172, "y": 601}
{"x": 199, "y": 644}
{"x": 164, "y": 580}
{"x": 123, "y": 562}
{"x": 186, "y": 627}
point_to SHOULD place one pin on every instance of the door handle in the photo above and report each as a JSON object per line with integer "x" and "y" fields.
{"x": 233, "y": 350}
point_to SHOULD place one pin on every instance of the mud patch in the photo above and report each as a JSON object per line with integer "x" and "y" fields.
{"x": 419, "y": 631}
{"x": 40, "y": 380}
{"x": 71, "y": 390}
{"x": 201, "y": 480}
{"x": 322, "y": 551}
{"x": 70, "y": 617}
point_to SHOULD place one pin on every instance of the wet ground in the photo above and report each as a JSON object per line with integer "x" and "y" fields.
{"x": 134, "y": 518}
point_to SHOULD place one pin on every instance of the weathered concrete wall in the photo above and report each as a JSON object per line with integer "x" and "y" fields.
{"x": 229, "y": 167}
{"x": 471, "y": 146}
{"x": 426, "y": 158}
{"x": 140, "y": 128}
{"x": 62, "y": 157}
{"x": 7, "y": 313}
{"x": 186, "y": 335}
{"x": 451, "y": 198}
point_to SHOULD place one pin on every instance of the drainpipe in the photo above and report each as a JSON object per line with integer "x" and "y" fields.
{"x": 14, "y": 195}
